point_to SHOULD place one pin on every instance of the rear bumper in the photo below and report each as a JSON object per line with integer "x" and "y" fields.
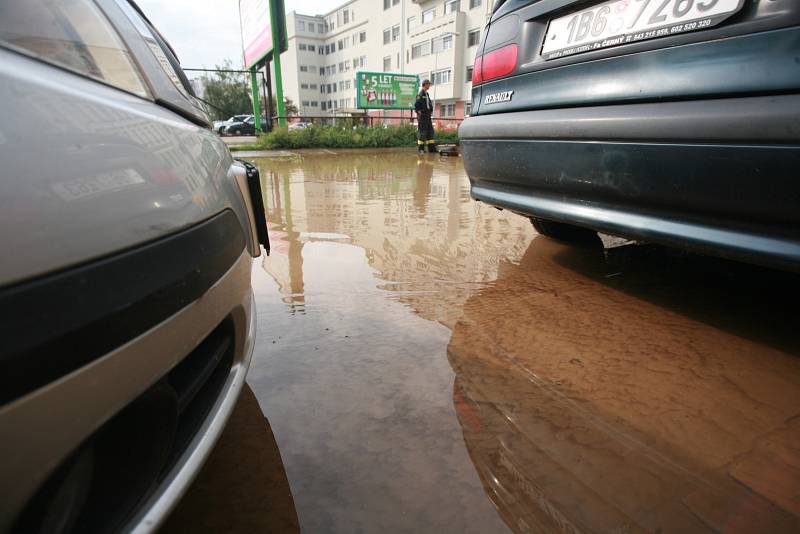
{"x": 717, "y": 176}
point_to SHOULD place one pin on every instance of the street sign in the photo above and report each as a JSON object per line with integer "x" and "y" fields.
{"x": 383, "y": 90}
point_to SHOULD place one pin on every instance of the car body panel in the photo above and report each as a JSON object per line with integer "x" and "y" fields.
{"x": 707, "y": 70}
{"x": 86, "y": 398}
{"x": 114, "y": 171}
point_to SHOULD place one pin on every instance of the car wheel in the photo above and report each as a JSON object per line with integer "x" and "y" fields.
{"x": 563, "y": 231}
{"x": 237, "y": 132}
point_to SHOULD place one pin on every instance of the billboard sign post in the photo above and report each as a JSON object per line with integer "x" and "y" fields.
{"x": 383, "y": 90}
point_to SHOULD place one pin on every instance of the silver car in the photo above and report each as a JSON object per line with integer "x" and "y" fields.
{"x": 126, "y": 311}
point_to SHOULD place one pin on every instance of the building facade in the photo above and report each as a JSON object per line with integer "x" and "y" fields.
{"x": 435, "y": 39}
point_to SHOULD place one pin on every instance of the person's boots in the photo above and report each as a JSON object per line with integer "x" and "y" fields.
{"x": 432, "y": 149}
{"x": 421, "y": 149}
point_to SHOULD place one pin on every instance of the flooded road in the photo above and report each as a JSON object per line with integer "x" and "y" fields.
{"x": 426, "y": 363}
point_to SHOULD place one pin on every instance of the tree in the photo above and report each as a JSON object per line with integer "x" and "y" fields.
{"x": 289, "y": 107}
{"x": 227, "y": 92}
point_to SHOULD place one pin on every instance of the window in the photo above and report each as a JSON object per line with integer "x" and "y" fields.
{"x": 347, "y": 84}
{"x": 395, "y": 2}
{"x": 474, "y": 3}
{"x": 324, "y": 106}
{"x": 341, "y": 85}
{"x": 410, "y": 23}
{"x": 321, "y": 50}
{"x": 428, "y": 15}
{"x": 468, "y": 78}
{"x": 387, "y": 63}
{"x": 312, "y": 48}
{"x": 420, "y": 50}
{"x": 443, "y": 43}
{"x": 395, "y": 32}
{"x": 387, "y": 36}
{"x": 303, "y": 86}
{"x": 341, "y": 66}
{"x": 313, "y": 86}
{"x": 321, "y": 27}
{"x": 333, "y": 69}
{"x": 442, "y": 77}
{"x": 303, "y": 68}
{"x": 314, "y": 104}
{"x": 451, "y": 6}
{"x": 76, "y": 36}
{"x": 305, "y": 103}
{"x": 362, "y": 37}
{"x": 387, "y": 4}
{"x": 322, "y": 71}
{"x": 345, "y": 17}
{"x": 468, "y": 107}
{"x": 448, "y": 110}
{"x": 302, "y": 25}
{"x": 302, "y": 46}
{"x": 473, "y": 37}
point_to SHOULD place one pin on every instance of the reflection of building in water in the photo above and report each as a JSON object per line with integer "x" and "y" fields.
{"x": 417, "y": 223}
{"x": 285, "y": 263}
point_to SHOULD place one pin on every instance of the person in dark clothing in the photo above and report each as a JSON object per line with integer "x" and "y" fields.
{"x": 424, "y": 109}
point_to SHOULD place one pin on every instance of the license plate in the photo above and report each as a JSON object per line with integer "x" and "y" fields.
{"x": 627, "y": 21}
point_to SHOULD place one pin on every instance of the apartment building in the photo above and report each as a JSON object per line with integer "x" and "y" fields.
{"x": 435, "y": 39}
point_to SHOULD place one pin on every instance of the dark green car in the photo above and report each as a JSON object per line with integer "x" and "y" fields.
{"x": 670, "y": 121}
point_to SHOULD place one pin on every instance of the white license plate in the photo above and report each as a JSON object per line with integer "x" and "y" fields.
{"x": 626, "y": 21}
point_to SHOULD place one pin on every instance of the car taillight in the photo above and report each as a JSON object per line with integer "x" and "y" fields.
{"x": 476, "y": 70}
{"x": 495, "y": 64}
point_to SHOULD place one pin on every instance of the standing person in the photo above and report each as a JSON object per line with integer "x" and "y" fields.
{"x": 424, "y": 109}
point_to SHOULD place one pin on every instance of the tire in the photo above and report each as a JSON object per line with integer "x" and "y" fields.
{"x": 563, "y": 231}
{"x": 237, "y": 132}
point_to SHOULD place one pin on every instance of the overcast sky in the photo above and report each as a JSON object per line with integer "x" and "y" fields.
{"x": 205, "y": 33}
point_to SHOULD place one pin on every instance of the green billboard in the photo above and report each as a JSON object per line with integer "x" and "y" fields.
{"x": 383, "y": 90}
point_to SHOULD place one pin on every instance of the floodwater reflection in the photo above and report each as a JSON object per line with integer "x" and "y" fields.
{"x": 428, "y": 364}
{"x": 598, "y": 406}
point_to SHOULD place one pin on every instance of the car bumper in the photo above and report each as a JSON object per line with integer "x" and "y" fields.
{"x": 717, "y": 176}
{"x": 49, "y": 424}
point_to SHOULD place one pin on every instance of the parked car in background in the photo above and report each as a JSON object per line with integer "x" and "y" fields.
{"x": 246, "y": 126}
{"x": 300, "y": 125}
{"x": 676, "y": 122}
{"x": 219, "y": 126}
{"x": 126, "y": 310}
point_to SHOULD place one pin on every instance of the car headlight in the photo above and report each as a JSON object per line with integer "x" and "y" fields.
{"x": 248, "y": 180}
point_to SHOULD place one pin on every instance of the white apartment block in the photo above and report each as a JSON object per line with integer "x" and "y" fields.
{"x": 435, "y": 39}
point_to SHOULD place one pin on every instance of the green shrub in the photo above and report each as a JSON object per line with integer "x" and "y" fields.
{"x": 348, "y": 137}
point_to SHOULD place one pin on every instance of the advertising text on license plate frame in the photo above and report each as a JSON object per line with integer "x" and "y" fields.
{"x": 627, "y": 21}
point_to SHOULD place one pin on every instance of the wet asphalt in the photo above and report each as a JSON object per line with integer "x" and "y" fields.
{"x": 426, "y": 363}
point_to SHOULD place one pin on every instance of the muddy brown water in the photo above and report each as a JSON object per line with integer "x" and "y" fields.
{"x": 426, "y": 363}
